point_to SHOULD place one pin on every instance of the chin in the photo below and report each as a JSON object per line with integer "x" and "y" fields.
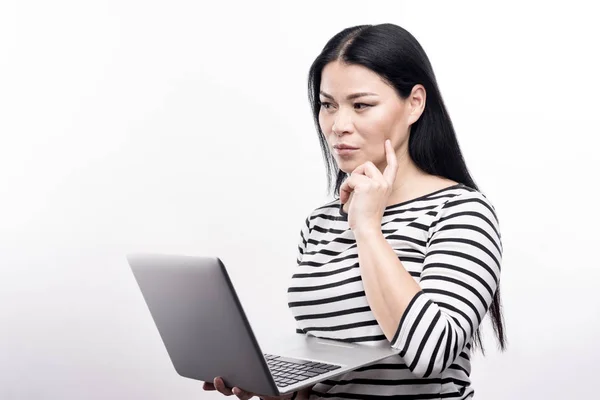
{"x": 348, "y": 167}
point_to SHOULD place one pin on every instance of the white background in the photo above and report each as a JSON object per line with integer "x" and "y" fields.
{"x": 184, "y": 127}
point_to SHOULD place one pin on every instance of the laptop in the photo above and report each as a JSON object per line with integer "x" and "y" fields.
{"x": 206, "y": 333}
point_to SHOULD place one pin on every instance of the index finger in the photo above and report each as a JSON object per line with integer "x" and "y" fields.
{"x": 392, "y": 163}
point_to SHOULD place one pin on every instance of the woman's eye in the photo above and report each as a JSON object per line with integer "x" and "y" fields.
{"x": 357, "y": 106}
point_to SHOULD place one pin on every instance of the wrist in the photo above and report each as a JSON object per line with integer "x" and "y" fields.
{"x": 366, "y": 231}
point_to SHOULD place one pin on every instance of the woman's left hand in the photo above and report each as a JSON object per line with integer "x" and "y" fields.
{"x": 219, "y": 386}
{"x": 368, "y": 191}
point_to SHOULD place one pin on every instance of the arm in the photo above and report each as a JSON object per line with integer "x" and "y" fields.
{"x": 304, "y": 232}
{"x": 302, "y": 242}
{"x": 431, "y": 322}
{"x": 303, "y": 394}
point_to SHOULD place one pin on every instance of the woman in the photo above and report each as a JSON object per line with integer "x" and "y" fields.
{"x": 411, "y": 251}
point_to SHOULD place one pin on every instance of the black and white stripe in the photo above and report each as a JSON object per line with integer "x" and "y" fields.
{"x": 449, "y": 241}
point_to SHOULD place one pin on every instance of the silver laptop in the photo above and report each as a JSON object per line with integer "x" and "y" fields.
{"x": 206, "y": 333}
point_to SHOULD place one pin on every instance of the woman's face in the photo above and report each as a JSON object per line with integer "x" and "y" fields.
{"x": 360, "y": 110}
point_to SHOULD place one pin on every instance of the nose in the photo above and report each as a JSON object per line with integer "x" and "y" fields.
{"x": 342, "y": 123}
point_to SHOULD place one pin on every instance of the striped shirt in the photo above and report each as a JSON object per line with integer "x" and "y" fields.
{"x": 449, "y": 241}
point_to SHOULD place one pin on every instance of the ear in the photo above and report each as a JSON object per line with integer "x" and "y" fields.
{"x": 416, "y": 103}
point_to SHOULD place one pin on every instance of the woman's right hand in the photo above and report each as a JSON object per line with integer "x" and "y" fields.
{"x": 219, "y": 386}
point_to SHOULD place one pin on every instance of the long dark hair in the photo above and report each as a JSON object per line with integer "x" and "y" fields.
{"x": 395, "y": 55}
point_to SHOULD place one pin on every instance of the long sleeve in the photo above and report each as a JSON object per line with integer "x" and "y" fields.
{"x": 302, "y": 241}
{"x": 460, "y": 274}
{"x": 302, "y": 244}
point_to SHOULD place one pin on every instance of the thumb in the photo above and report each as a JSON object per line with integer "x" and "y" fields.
{"x": 346, "y": 196}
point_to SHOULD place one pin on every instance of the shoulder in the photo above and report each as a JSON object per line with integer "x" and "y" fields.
{"x": 468, "y": 209}
{"x": 324, "y": 211}
{"x": 329, "y": 210}
{"x": 467, "y": 199}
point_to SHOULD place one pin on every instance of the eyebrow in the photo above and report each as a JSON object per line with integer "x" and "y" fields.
{"x": 350, "y": 96}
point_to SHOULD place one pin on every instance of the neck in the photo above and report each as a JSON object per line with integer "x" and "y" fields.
{"x": 407, "y": 178}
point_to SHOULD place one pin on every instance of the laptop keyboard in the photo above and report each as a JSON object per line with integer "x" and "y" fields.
{"x": 287, "y": 371}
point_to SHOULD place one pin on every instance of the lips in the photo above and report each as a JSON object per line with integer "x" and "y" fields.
{"x": 345, "y": 153}
{"x": 344, "y": 146}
